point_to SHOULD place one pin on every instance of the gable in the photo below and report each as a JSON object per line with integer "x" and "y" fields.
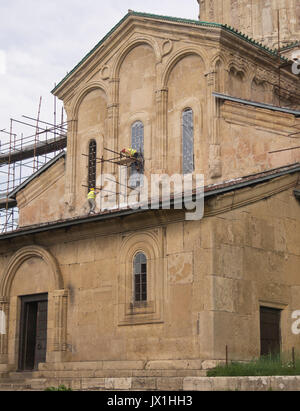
{"x": 42, "y": 199}
{"x": 166, "y": 27}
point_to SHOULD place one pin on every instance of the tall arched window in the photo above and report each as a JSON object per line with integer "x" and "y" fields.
{"x": 137, "y": 143}
{"x": 188, "y": 165}
{"x": 140, "y": 277}
{"x": 92, "y": 167}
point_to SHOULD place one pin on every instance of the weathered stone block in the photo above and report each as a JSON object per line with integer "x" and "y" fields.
{"x": 118, "y": 383}
{"x": 170, "y": 384}
{"x": 180, "y": 268}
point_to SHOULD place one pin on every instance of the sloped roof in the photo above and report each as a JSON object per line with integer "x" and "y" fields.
{"x": 209, "y": 191}
{"x": 174, "y": 20}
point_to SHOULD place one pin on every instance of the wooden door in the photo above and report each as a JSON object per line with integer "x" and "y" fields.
{"x": 33, "y": 331}
{"x": 270, "y": 334}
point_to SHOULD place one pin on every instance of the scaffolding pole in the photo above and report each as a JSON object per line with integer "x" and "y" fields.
{"x": 22, "y": 155}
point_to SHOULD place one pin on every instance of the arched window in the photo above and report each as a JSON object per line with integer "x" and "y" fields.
{"x": 92, "y": 167}
{"x": 140, "y": 277}
{"x": 137, "y": 143}
{"x": 188, "y": 141}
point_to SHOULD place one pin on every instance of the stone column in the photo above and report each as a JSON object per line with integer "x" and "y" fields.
{"x": 70, "y": 180}
{"x": 112, "y": 141}
{"x": 215, "y": 165}
{"x": 4, "y": 332}
{"x": 60, "y": 305}
{"x": 161, "y": 140}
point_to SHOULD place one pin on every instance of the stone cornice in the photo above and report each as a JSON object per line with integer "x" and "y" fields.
{"x": 241, "y": 198}
{"x": 278, "y": 123}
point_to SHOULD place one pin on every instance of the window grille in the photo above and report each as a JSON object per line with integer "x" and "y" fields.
{"x": 188, "y": 141}
{"x": 140, "y": 277}
{"x": 137, "y": 143}
{"x": 92, "y": 167}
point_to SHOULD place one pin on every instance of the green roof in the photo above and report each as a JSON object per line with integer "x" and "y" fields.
{"x": 291, "y": 46}
{"x": 176, "y": 20}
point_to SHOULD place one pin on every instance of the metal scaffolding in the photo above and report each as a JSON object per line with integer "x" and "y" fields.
{"x": 22, "y": 155}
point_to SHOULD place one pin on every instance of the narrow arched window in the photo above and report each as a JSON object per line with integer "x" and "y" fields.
{"x": 188, "y": 165}
{"x": 140, "y": 277}
{"x": 92, "y": 167}
{"x": 137, "y": 143}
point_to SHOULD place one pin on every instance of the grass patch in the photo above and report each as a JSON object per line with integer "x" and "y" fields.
{"x": 265, "y": 366}
{"x": 60, "y": 388}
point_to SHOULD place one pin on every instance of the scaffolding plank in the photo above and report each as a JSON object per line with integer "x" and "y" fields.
{"x": 10, "y": 203}
{"x": 38, "y": 149}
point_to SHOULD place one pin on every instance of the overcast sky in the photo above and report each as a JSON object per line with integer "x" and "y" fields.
{"x": 41, "y": 40}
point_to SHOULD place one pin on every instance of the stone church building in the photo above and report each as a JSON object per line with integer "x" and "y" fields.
{"x": 141, "y": 299}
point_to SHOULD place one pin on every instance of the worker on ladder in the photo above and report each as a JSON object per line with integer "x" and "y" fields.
{"x": 92, "y": 200}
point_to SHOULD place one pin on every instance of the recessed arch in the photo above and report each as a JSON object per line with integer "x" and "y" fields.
{"x": 240, "y": 67}
{"x": 145, "y": 242}
{"x": 129, "y": 47}
{"x": 175, "y": 58}
{"x": 148, "y": 243}
{"x": 218, "y": 65}
{"x": 23, "y": 255}
{"x": 83, "y": 92}
{"x": 218, "y": 58}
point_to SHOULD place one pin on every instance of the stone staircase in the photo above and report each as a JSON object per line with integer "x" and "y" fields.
{"x": 105, "y": 376}
{"x": 20, "y": 382}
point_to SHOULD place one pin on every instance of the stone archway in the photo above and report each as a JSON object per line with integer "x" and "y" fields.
{"x": 9, "y": 304}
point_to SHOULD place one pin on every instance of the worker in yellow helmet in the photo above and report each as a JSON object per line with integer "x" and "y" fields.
{"x": 92, "y": 200}
{"x": 130, "y": 152}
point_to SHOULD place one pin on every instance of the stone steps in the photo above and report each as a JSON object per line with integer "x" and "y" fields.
{"x": 120, "y": 374}
{"x": 100, "y": 375}
{"x": 93, "y": 383}
{"x": 157, "y": 384}
{"x": 23, "y": 375}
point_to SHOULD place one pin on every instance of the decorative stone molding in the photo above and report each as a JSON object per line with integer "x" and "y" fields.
{"x": 167, "y": 47}
{"x": 20, "y": 257}
{"x": 105, "y": 73}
